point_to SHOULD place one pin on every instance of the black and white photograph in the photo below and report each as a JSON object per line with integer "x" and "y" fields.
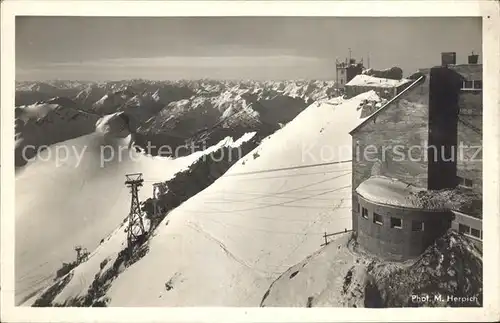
{"x": 248, "y": 161}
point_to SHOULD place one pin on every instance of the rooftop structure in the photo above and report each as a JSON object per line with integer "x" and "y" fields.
{"x": 371, "y": 81}
{"x": 385, "y": 88}
{"x": 347, "y": 70}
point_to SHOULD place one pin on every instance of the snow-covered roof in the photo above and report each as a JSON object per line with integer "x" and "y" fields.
{"x": 367, "y": 80}
{"x": 389, "y": 191}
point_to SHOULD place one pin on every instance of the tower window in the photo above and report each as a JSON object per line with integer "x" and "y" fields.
{"x": 472, "y": 85}
{"x": 475, "y": 233}
{"x": 377, "y": 219}
{"x": 396, "y": 223}
{"x": 364, "y": 213}
{"x": 462, "y": 228}
{"x": 468, "y": 231}
{"x": 465, "y": 182}
{"x": 417, "y": 225}
{"x": 467, "y": 85}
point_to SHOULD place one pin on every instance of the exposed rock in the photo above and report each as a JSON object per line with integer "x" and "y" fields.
{"x": 339, "y": 274}
{"x": 447, "y": 271}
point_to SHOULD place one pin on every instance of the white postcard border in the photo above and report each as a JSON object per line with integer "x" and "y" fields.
{"x": 489, "y": 10}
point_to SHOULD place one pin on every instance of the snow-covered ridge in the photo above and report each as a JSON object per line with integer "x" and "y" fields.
{"x": 159, "y": 90}
{"x": 47, "y": 123}
{"x": 182, "y": 108}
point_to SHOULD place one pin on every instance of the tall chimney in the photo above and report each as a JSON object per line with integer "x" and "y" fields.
{"x": 448, "y": 58}
{"x": 473, "y": 58}
{"x": 444, "y": 89}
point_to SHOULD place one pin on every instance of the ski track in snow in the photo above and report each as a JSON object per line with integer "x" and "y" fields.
{"x": 226, "y": 251}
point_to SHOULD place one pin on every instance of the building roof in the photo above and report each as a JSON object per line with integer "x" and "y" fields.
{"x": 393, "y": 192}
{"x": 467, "y": 71}
{"x": 389, "y": 191}
{"x": 471, "y": 72}
{"x": 474, "y": 215}
{"x": 395, "y": 98}
{"x": 367, "y": 80}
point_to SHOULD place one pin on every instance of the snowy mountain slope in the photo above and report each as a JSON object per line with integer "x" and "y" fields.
{"x": 230, "y": 238}
{"x": 36, "y": 271}
{"x": 47, "y": 123}
{"x": 111, "y": 102}
{"x": 84, "y": 282}
{"x": 32, "y": 92}
{"x": 90, "y": 94}
{"x": 233, "y": 110}
{"x": 36, "y": 87}
{"x": 313, "y": 282}
{"x": 79, "y": 194}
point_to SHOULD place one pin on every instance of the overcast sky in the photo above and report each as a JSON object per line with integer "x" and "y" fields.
{"x": 104, "y": 48}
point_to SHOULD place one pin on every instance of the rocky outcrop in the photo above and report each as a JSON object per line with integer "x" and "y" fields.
{"x": 448, "y": 273}
{"x": 196, "y": 178}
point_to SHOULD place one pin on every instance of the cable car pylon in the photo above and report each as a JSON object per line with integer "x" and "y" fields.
{"x": 135, "y": 227}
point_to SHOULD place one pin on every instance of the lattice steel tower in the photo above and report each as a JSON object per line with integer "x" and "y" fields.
{"x": 135, "y": 223}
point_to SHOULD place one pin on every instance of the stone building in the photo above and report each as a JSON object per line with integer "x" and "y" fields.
{"x": 346, "y": 71}
{"x": 421, "y": 149}
{"x": 393, "y": 221}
